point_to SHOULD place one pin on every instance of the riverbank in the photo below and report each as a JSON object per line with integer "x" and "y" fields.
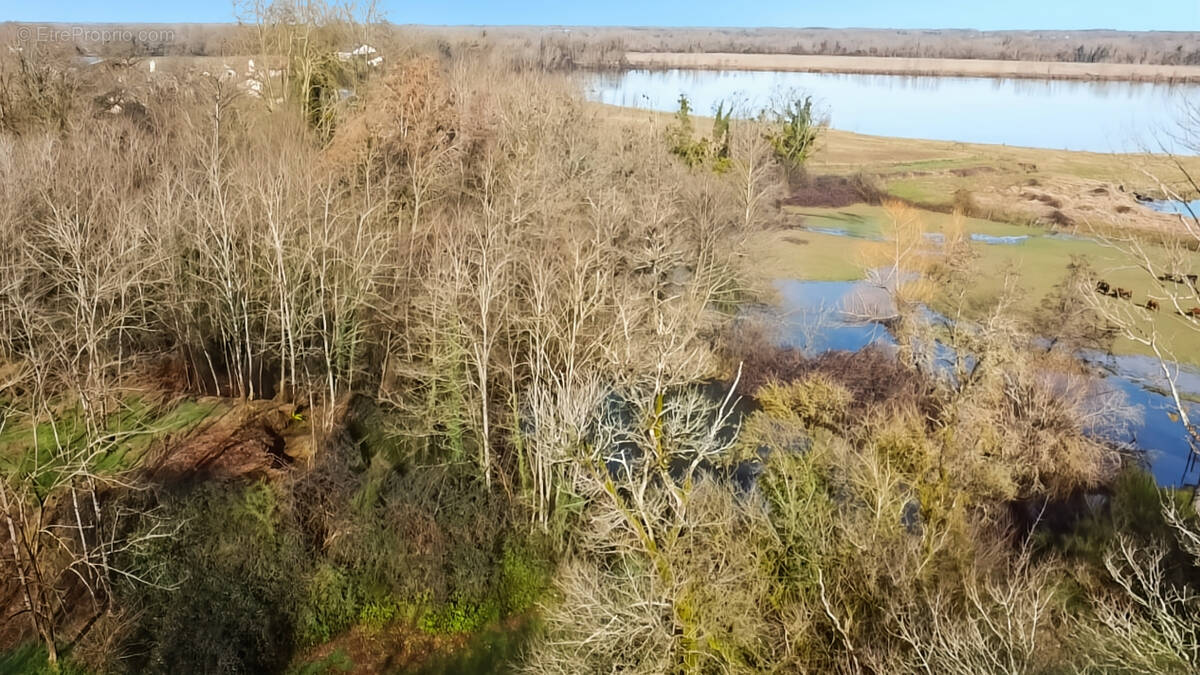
{"x": 1006, "y": 183}
{"x": 1054, "y": 203}
{"x": 878, "y": 65}
{"x": 1088, "y": 192}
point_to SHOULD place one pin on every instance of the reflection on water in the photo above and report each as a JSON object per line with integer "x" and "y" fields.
{"x": 821, "y": 316}
{"x": 842, "y": 232}
{"x": 1003, "y": 241}
{"x": 1160, "y": 434}
{"x": 1058, "y": 114}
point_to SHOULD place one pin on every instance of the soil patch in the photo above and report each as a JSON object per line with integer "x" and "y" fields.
{"x": 255, "y": 440}
{"x": 834, "y": 192}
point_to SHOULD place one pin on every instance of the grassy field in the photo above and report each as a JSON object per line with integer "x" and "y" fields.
{"x": 848, "y": 152}
{"x": 1077, "y": 194}
{"x": 1079, "y": 190}
{"x": 814, "y": 253}
{"x": 20, "y": 447}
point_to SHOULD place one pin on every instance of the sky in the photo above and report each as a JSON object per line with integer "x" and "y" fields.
{"x": 980, "y": 14}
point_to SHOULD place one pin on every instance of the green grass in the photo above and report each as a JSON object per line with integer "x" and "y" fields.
{"x": 1041, "y": 263}
{"x": 866, "y": 220}
{"x": 828, "y": 257}
{"x": 924, "y": 190}
{"x": 495, "y": 650}
{"x": 30, "y": 659}
{"x": 941, "y": 164}
{"x": 132, "y": 430}
{"x": 846, "y": 153}
{"x": 337, "y": 662}
{"x": 822, "y": 257}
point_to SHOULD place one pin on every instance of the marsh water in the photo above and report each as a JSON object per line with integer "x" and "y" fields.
{"x": 1055, "y": 114}
{"x": 1175, "y": 206}
{"x": 818, "y": 316}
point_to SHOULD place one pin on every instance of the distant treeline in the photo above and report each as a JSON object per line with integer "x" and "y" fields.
{"x": 1095, "y": 46}
{"x": 555, "y": 47}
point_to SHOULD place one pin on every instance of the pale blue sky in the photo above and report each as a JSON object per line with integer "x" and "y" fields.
{"x": 982, "y": 14}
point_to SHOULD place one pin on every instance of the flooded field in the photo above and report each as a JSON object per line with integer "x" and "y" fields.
{"x": 819, "y": 316}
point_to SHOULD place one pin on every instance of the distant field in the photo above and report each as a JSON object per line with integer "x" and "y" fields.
{"x": 882, "y": 65}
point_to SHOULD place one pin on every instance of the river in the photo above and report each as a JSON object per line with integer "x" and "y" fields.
{"x": 1054, "y": 114}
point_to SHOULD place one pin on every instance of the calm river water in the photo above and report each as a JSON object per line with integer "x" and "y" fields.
{"x": 1056, "y": 114}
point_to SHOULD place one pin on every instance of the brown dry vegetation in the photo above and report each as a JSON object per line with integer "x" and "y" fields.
{"x": 1093, "y": 46}
{"x": 478, "y": 261}
{"x": 459, "y": 335}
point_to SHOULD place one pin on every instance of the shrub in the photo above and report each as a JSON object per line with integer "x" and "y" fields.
{"x": 721, "y": 160}
{"x": 817, "y": 400}
{"x": 235, "y": 565}
{"x": 715, "y": 153}
{"x": 679, "y": 137}
{"x": 524, "y": 575}
{"x": 331, "y": 606}
{"x": 794, "y": 134}
{"x": 964, "y": 203}
{"x": 374, "y": 615}
{"x": 462, "y": 614}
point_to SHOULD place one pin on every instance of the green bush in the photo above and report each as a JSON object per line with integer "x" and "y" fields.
{"x": 794, "y": 134}
{"x": 257, "y": 575}
{"x": 461, "y": 615}
{"x": 721, "y": 160}
{"x": 519, "y": 577}
{"x": 524, "y": 576}
{"x": 492, "y": 651}
{"x": 332, "y": 605}
{"x": 679, "y": 136}
{"x": 375, "y": 614}
{"x": 235, "y": 565}
{"x": 816, "y": 400}
{"x": 1134, "y": 509}
{"x": 698, "y": 152}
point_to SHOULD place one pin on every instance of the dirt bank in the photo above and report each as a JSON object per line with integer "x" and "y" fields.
{"x": 904, "y": 66}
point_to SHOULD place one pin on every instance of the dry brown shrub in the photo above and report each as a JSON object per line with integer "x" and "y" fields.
{"x": 410, "y": 111}
{"x": 835, "y": 191}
